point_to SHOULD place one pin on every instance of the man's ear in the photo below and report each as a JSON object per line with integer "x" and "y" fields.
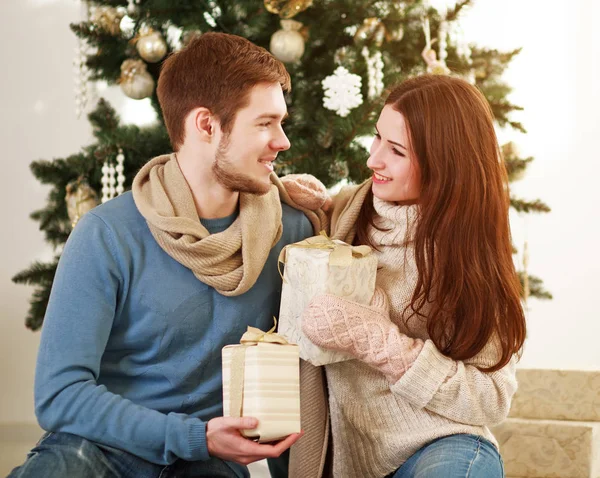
{"x": 204, "y": 123}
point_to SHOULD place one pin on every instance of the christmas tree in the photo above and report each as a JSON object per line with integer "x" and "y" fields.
{"x": 341, "y": 55}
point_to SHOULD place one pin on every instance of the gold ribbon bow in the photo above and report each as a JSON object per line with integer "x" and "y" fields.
{"x": 253, "y": 336}
{"x": 341, "y": 253}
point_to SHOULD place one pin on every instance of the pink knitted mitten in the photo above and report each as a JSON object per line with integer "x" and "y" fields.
{"x": 307, "y": 191}
{"x": 364, "y": 331}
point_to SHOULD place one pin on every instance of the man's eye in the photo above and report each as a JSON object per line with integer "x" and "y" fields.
{"x": 265, "y": 124}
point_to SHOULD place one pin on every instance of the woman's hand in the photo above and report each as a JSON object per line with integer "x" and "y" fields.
{"x": 364, "y": 331}
{"x": 307, "y": 191}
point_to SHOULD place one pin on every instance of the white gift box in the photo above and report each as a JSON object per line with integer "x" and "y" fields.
{"x": 262, "y": 380}
{"x": 554, "y": 425}
{"x": 549, "y": 448}
{"x": 557, "y": 395}
{"x": 318, "y": 266}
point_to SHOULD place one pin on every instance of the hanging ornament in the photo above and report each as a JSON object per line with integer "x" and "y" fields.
{"x": 342, "y": 91}
{"x": 81, "y": 71}
{"x": 372, "y": 30}
{"x": 374, "y": 72}
{"x": 113, "y": 179}
{"x": 151, "y": 45}
{"x": 108, "y": 181}
{"x": 120, "y": 170}
{"x": 443, "y": 41}
{"x": 80, "y": 198}
{"x": 434, "y": 66}
{"x": 287, "y": 8}
{"x": 135, "y": 80}
{"x": 107, "y": 19}
{"x": 287, "y": 45}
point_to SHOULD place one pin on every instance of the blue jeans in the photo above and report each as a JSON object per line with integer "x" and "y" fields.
{"x": 454, "y": 456}
{"x": 60, "y": 455}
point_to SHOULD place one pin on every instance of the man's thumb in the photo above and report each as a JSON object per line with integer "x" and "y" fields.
{"x": 245, "y": 423}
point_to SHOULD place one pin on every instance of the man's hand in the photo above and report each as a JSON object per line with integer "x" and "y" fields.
{"x": 224, "y": 441}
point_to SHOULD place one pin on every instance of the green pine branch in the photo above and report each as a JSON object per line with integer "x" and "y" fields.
{"x": 521, "y": 205}
{"x": 453, "y": 13}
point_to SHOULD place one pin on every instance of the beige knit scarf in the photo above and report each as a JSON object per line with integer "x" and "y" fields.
{"x": 229, "y": 261}
{"x": 345, "y": 210}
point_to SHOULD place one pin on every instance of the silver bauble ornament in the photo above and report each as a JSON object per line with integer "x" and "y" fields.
{"x": 287, "y": 45}
{"x": 151, "y": 45}
{"x": 80, "y": 198}
{"x": 135, "y": 80}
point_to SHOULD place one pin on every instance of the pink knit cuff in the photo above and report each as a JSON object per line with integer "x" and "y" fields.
{"x": 307, "y": 191}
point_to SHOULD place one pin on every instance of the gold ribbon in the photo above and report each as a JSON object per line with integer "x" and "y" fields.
{"x": 341, "y": 253}
{"x": 252, "y": 337}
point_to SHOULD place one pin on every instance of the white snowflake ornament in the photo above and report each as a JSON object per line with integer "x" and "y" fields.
{"x": 342, "y": 91}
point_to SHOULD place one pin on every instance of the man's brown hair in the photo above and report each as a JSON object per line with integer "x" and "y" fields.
{"x": 215, "y": 71}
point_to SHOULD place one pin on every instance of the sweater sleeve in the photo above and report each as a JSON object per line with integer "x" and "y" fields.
{"x": 85, "y": 295}
{"x": 458, "y": 390}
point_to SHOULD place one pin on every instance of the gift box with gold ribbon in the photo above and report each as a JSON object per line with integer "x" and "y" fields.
{"x": 261, "y": 379}
{"x": 319, "y": 265}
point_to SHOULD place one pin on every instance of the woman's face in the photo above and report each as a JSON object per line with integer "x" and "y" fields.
{"x": 396, "y": 173}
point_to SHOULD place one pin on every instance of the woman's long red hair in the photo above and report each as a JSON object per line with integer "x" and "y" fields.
{"x": 462, "y": 241}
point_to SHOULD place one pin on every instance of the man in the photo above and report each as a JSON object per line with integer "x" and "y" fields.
{"x": 152, "y": 284}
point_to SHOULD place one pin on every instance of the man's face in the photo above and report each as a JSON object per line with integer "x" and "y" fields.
{"x": 244, "y": 157}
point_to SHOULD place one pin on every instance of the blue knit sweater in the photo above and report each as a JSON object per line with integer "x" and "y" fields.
{"x": 130, "y": 353}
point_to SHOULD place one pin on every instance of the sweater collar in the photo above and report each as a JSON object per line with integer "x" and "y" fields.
{"x": 398, "y": 223}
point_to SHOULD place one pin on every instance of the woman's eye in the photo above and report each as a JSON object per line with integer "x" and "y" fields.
{"x": 398, "y": 152}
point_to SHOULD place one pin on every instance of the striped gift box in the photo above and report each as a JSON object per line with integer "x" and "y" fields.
{"x": 263, "y": 381}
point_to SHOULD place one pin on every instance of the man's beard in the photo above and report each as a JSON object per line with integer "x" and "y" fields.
{"x": 233, "y": 180}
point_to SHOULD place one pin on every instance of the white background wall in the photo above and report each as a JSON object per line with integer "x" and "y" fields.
{"x": 555, "y": 79}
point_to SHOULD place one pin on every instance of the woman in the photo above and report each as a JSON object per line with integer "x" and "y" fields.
{"x": 438, "y": 345}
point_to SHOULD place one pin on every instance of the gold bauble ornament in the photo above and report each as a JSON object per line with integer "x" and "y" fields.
{"x": 287, "y": 8}
{"x": 80, "y": 198}
{"x": 151, "y": 45}
{"x": 107, "y": 19}
{"x": 135, "y": 80}
{"x": 287, "y": 45}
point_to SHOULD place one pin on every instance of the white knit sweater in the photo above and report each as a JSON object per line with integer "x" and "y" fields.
{"x": 376, "y": 426}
